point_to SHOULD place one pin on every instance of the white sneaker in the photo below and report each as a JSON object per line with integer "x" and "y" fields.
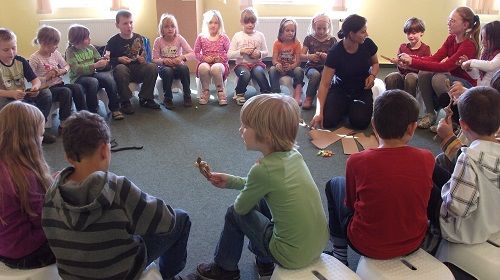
{"x": 240, "y": 99}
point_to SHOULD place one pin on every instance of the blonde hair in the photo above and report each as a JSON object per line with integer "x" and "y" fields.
{"x": 77, "y": 33}
{"x": 22, "y": 126}
{"x": 164, "y": 18}
{"x": 207, "y": 17}
{"x": 318, "y": 18}
{"x": 275, "y": 119}
{"x": 47, "y": 35}
{"x": 474, "y": 29}
{"x": 248, "y": 15}
{"x": 7, "y": 35}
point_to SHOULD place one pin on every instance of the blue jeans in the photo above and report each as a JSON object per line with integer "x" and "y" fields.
{"x": 256, "y": 225}
{"x": 42, "y": 101}
{"x": 91, "y": 84}
{"x": 170, "y": 248}
{"x": 274, "y": 76}
{"x": 314, "y": 76}
{"x": 244, "y": 75}
{"x": 168, "y": 74}
{"x": 339, "y": 215}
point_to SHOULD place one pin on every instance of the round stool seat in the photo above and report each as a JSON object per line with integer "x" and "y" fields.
{"x": 43, "y": 273}
{"x": 327, "y": 266}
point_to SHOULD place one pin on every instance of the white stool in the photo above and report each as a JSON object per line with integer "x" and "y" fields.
{"x": 328, "y": 266}
{"x": 419, "y": 265}
{"x": 482, "y": 261}
{"x": 378, "y": 88}
{"x": 44, "y": 273}
{"x": 176, "y": 88}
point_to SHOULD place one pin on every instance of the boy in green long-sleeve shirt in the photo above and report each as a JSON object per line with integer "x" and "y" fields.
{"x": 279, "y": 206}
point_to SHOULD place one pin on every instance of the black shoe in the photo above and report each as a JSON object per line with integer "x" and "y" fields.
{"x": 127, "y": 108}
{"x": 264, "y": 269}
{"x": 168, "y": 103}
{"x": 149, "y": 103}
{"x": 48, "y": 138}
{"x": 214, "y": 271}
{"x": 187, "y": 101}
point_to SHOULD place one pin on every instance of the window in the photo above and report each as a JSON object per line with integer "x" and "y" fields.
{"x": 56, "y": 4}
{"x": 487, "y": 7}
{"x": 336, "y": 5}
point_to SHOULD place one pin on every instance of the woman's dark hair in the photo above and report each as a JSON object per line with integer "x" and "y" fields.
{"x": 352, "y": 23}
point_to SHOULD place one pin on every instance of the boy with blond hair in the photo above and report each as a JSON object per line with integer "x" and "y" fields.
{"x": 14, "y": 70}
{"x": 279, "y": 207}
{"x": 101, "y": 225}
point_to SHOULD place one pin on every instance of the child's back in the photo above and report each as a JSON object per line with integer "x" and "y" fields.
{"x": 469, "y": 212}
{"x": 93, "y": 226}
{"x": 390, "y": 188}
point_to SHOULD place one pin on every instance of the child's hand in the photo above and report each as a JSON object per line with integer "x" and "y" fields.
{"x": 405, "y": 59}
{"x": 255, "y": 54}
{"x": 177, "y": 60}
{"x": 456, "y": 90}
{"x": 445, "y": 128}
{"x": 124, "y": 60}
{"x": 141, "y": 59}
{"x": 466, "y": 65}
{"x": 208, "y": 59}
{"x": 16, "y": 94}
{"x": 218, "y": 179}
{"x": 100, "y": 64}
{"x": 217, "y": 59}
{"x": 314, "y": 57}
{"x": 462, "y": 59}
{"x": 52, "y": 73}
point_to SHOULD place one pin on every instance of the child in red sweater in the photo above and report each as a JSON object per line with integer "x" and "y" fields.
{"x": 464, "y": 28}
{"x": 380, "y": 207}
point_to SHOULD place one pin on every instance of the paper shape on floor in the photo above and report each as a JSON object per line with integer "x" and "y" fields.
{"x": 324, "y": 138}
{"x": 367, "y": 142}
{"x": 349, "y": 145}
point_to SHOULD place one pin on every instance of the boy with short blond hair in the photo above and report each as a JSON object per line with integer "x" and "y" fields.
{"x": 14, "y": 70}
{"x": 380, "y": 208}
{"x": 279, "y": 206}
{"x": 101, "y": 225}
{"x": 127, "y": 56}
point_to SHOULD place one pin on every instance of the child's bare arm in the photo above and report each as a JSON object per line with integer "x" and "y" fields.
{"x": 14, "y": 94}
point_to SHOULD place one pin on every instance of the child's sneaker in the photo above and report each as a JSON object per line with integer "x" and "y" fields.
{"x": 307, "y": 103}
{"x": 205, "y": 95}
{"x": 214, "y": 271}
{"x": 297, "y": 95}
{"x": 221, "y": 95}
{"x": 168, "y": 103}
{"x": 187, "y": 100}
{"x": 427, "y": 120}
{"x": 117, "y": 115}
{"x": 264, "y": 269}
{"x": 240, "y": 99}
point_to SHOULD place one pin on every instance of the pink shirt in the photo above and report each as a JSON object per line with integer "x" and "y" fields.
{"x": 164, "y": 49}
{"x": 22, "y": 234}
{"x": 203, "y": 47}
{"x": 41, "y": 65}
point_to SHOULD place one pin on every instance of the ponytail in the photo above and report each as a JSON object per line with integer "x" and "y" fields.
{"x": 474, "y": 29}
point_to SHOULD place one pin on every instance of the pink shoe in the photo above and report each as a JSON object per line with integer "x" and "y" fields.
{"x": 297, "y": 95}
{"x": 221, "y": 95}
{"x": 307, "y": 103}
{"x": 203, "y": 99}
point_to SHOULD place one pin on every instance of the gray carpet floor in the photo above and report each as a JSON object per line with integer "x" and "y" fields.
{"x": 173, "y": 140}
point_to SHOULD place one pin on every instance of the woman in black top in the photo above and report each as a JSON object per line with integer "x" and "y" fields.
{"x": 350, "y": 70}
